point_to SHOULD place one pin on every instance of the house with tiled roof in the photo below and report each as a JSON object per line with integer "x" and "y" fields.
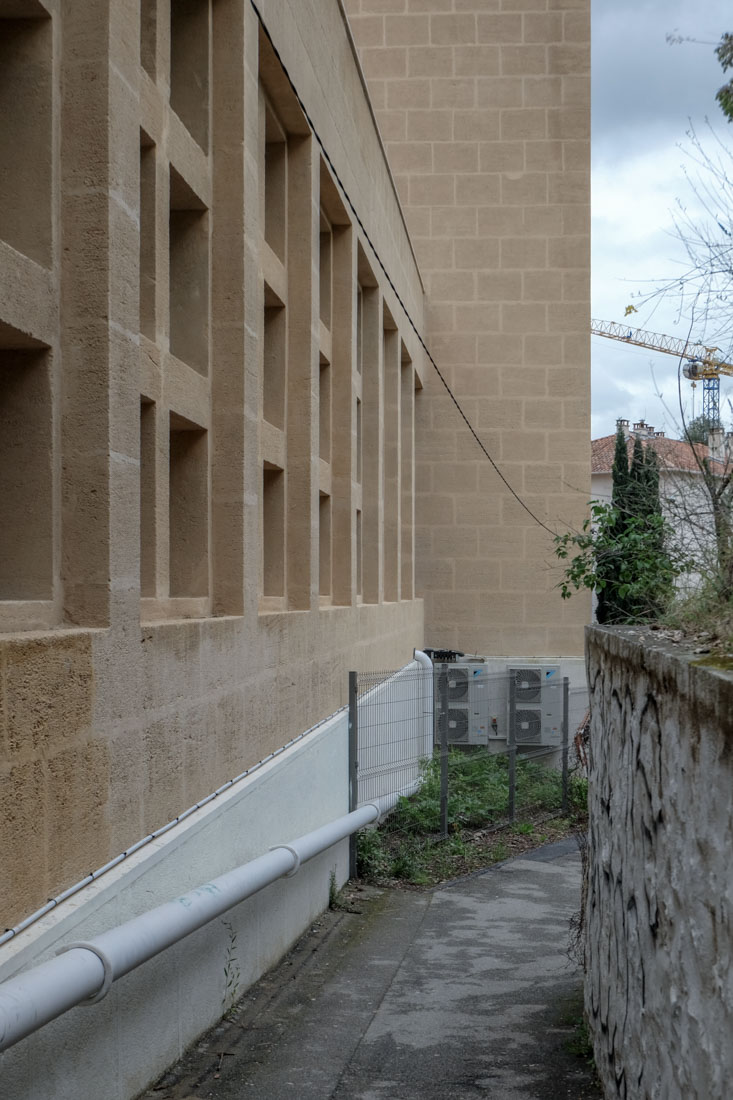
{"x": 685, "y": 502}
{"x": 676, "y": 457}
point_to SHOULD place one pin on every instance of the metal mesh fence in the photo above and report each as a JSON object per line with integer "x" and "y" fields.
{"x": 458, "y": 746}
{"x": 394, "y": 717}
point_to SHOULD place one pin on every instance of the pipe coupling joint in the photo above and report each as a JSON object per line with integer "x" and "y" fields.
{"x": 374, "y": 806}
{"x": 294, "y": 853}
{"x": 109, "y": 976}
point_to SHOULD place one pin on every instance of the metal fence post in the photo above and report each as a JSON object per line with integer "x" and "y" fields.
{"x": 512, "y": 747}
{"x": 565, "y": 702}
{"x": 353, "y": 765}
{"x": 443, "y": 729}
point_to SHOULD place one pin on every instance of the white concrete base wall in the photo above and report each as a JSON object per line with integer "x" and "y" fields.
{"x": 115, "y": 1048}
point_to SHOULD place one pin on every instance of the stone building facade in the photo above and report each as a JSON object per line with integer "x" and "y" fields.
{"x": 484, "y": 106}
{"x": 228, "y": 471}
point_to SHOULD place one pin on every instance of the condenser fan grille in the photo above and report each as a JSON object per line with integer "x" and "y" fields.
{"x": 528, "y": 725}
{"x": 457, "y": 725}
{"x": 457, "y": 683}
{"x": 527, "y": 685}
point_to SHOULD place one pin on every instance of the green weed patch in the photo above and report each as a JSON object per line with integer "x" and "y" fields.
{"x": 408, "y": 847}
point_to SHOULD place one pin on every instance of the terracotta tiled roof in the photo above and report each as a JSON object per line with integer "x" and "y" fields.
{"x": 673, "y": 454}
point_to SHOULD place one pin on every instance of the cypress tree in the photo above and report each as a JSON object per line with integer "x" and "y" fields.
{"x": 643, "y": 514}
{"x": 636, "y": 493}
{"x": 620, "y": 472}
{"x": 609, "y": 607}
{"x": 651, "y": 466}
{"x": 653, "y": 515}
{"x": 625, "y": 555}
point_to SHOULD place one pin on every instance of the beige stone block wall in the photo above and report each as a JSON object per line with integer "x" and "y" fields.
{"x": 485, "y": 115}
{"x": 142, "y": 663}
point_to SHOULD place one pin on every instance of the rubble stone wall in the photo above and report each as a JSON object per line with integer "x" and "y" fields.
{"x": 659, "y": 916}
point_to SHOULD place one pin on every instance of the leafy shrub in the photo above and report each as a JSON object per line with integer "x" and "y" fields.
{"x": 373, "y": 860}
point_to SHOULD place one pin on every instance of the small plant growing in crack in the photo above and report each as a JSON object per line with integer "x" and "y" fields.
{"x": 336, "y": 897}
{"x": 333, "y": 891}
{"x": 232, "y": 973}
{"x": 339, "y": 900}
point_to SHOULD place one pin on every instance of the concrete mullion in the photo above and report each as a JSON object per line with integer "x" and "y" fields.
{"x": 148, "y": 504}
{"x": 228, "y": 315}
{"x": 390, "y": 490}
{"x": 407, "y": 482}
{"x": 301, "y": 519}
{"x": 252, "y": 304}
{"x": 162, "y": 506}
{"x": 373, "y": 447}
{"x": 85, "y": 278}
{"x": 162, "y": 248}
{"x": 343, "y": 411}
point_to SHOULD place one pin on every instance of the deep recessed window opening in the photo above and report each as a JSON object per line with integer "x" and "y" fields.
{"x": 190, "y": 23}
{"x": 147, "y": 236}
{"x": 26, "y": 474}
{"x": 359, "y": 329}
{"x": 189, "y": 275}
{"x": 276, "y": 162}
{"x": 147, "y": 497}
{"x": 324, "y": 544}
{"x": 358, "y": 440}
{"x": 407, "y": 467}
{"x": 273, "y": 531}
{"x": 324, "y": 410}
{"x": 326, "y": 270}
{"x": 372, "y": 449}
{"x": 188, "y": 509}
{"x": 148, "y": 35}
{"x": 26, "y": 133}
{"x": 390, "y": 483}
{"x": 273, "y": 366}
{"x": 359, "y": 586}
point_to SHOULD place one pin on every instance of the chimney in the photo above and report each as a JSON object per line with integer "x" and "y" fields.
{"x": 624, "y": 426}
{"x": 659, "y": 435}
{"x": 716, "y": 444}
{"x": 727, "y": 449}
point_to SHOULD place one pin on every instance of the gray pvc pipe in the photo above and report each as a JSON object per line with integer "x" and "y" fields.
{"x": 83, "y": 972}
{"x": 428, "y": 700}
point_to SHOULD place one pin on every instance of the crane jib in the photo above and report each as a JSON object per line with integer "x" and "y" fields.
{"x": 702, "y": 362}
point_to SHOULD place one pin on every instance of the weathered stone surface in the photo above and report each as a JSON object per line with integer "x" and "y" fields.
{"x": 659, "y": 988}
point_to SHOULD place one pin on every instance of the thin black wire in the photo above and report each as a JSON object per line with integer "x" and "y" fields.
{"x": 388, "y": 277}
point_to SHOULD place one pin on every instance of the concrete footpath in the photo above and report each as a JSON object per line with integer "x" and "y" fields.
{"x": 459, "y": 992}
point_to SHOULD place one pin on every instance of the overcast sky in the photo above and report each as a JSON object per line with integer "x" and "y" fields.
{"x": 644, "y": 93}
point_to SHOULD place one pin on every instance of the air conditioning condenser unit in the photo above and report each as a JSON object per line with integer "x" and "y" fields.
{"x": 537, "y": 704}
{"x": 466, "y": 685}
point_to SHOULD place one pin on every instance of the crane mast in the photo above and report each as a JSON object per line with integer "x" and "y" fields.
{"x": 702, "y": 363}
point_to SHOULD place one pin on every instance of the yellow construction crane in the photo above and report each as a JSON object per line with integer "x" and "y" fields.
{"x": 702, "y": 363}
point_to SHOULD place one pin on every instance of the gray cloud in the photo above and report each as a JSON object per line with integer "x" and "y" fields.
{"x": 644, "y": 90}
